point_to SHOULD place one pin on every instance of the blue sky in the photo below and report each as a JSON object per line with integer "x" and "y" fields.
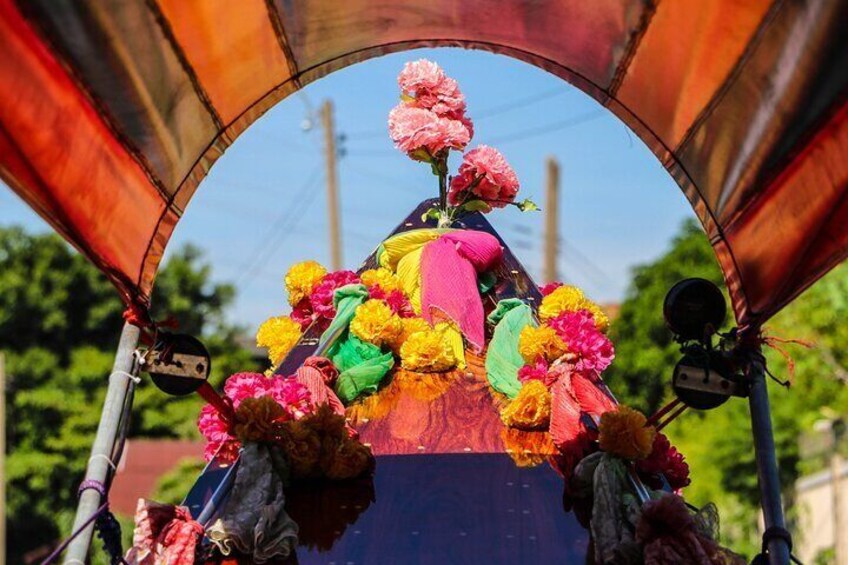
{"x": 262, "y": 206}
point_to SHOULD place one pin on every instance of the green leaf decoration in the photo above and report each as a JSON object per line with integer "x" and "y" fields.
{"x": 528, "y": 206}
{"x": 431, "y": 214}
{"x": 476, "y": 206}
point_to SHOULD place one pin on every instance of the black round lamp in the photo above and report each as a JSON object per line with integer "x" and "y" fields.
{"x": 694, "y": 309}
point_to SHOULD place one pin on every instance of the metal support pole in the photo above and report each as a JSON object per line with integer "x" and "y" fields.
{"x": 107, "y": 438}
{"x": 767, "y": 476}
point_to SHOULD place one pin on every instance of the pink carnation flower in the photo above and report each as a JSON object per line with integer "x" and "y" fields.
{"x": 665, "y": 461}
{"x": 246, "y": 385}
{"x": 395, "y": 299}
{"x": 420, "y": 75}
{"x": 422, "y": 134}
{"x": 431, "y": 89}
{"x": 484, "y": 173}
{"x": 322, "y": 295}
{"x": 291, "y": 395}
{"x": 538, "y": 371}
{"x": 593, "y": 350}
{"x": 546, "y": 289}
{"x": 303, "y": 314}
{"x": 216, "y": 432}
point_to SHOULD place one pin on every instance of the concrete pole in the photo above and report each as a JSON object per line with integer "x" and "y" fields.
{"x": 333, "y": 217}
{"x": 764, "y": 451}
{"x": 2, "y": 459}
{"x": 107, "y": 438}
{"x": 551, "y": 219}
{"x": 840, "y": 520}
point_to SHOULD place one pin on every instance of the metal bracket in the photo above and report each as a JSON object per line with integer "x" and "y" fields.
{"x": 179, "y": 365}
{"x": 697, "y": 379}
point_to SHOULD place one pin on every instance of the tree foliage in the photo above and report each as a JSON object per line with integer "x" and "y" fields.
{"x": 718, "y": 443}
{"x": 59, "y": 324}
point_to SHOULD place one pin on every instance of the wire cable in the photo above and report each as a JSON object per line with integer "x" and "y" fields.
{"x": 281, "y": 227}
{"x": 550, "y": 128}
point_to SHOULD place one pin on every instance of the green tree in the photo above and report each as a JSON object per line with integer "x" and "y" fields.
{"x": 718, "y": 443}
{"x": 645, "y": 350}
{"x": 59, "y": 324}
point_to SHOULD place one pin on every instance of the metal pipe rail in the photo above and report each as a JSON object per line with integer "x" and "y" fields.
{"x": 108, "y": 441}
{"x": 778, "y": 546}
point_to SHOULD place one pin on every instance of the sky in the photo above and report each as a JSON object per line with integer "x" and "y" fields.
{"x": 262, "y": 207}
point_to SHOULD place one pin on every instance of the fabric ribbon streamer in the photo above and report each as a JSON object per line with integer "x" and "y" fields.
{"x": 163, "y": 533}
{"x": 345, "y": 300}
{"x": 253, "y": 520}
{"x": 575, "y": 396}
{"x": 319, "y": 376}
{"x": 362, "y": 367}
{"x": 449, "y": 267}
{"x": 401, "y": 254}
{"x": 502, "y": 357}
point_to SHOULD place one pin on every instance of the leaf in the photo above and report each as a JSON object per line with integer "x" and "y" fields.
{"x": 476, "y": 205}
{"x": 431, "y": 214}
{"x": 406, "y": 97}
{"x": 528, "y": 206}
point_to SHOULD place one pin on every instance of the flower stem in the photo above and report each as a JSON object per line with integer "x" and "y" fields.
{"x": 442, "y": 165}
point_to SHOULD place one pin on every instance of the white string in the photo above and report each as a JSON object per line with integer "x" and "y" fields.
{"x": 104, "y": 457}
{"x": 131, "y": 377}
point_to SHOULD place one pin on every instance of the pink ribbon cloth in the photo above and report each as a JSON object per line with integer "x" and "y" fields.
{"x": 572, "y": 395}
{"x": 318, "y": 375}
{"x": 449, "y": 267}
{"x": 164, "y": 533}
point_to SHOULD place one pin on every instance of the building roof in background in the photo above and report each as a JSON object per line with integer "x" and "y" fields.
{"x": 143, "y": 463}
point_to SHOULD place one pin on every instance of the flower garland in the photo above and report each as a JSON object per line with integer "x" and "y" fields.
{"x": 559, "y": 394}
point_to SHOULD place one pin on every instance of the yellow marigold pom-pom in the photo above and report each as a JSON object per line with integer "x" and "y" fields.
{"x": 258, "y": 419}
{"x": 527, "y": 448}
{"x": 381, "y": 277}
{"x": 428, "y": 351}
{"x": 601, "y": 318}
{"x": 279, "y": 334}
{"x": 564, "y": 299}
{"x": 302, "y": 278}
{"x": 624, "y": 433}
{"x": 570, "y": 299}
{"x": 409, "y": 326}
{"x": 540, "y": 342}
{"x": 374, "y": 322}
{"x": 530, "y": 409}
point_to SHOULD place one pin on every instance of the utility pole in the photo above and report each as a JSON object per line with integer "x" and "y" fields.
{"x": 333, "y": 217}
{"x": 840, "y": 520}
{"x": 551, "y": 219}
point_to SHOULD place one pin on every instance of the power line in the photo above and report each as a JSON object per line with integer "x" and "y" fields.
{"x": 564, "y": 124}
{"x": 514, "y": 105}
{"x": 281, "y": 228}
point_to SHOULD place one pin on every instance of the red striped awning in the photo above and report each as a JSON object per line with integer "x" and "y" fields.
{"x": 112, "y": 112}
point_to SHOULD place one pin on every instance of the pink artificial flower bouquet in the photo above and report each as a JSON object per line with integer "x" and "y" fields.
{"x": 429, "y": 123}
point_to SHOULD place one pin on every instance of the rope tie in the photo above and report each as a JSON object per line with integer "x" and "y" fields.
{"x": 108, "y": 528}
{"x": 129, "y": 376}
{"x": 108, "y": 461}
{"x": 91, "y": 484}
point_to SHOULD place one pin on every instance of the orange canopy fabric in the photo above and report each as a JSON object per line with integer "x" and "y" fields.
{"x": 112, "y": 112}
